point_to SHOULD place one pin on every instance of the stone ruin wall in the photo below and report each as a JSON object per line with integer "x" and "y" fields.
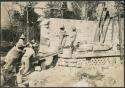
{"x": 85, "y": 32}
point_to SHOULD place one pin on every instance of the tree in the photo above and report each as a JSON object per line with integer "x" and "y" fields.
{"x": 32, "y": 20}
{"x": 19, "y": 21}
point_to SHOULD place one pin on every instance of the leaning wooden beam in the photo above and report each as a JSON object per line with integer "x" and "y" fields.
{"x": 99, "y": 56}
{"x": 94, "y": 55}
{"x": 81, "y": 57}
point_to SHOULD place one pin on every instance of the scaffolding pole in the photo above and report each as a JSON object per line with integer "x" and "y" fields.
{"x": 27, "y": 30}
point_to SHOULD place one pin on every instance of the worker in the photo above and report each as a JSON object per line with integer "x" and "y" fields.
{"x": 25, "y": 61}
{"x": 62, "y": 37}
{"x": 12, "y": 55}
{"x": 73, "y": 37}
{"x": 21, "y": 40}
{"x": 34, "y": 45}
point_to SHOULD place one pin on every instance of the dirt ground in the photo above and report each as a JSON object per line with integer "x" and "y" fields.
{"x": 70, "y": 77}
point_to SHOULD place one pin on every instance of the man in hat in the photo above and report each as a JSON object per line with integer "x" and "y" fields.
{"x": 11, "y": 57}
{"x": 34, "y": 45}
{"x": 21, "y": 41}
{"x": 62, "y": 37}
{"x": 73, "y": 37}
{"x": 29, "y": 53}
{"x": 32, "y": 41}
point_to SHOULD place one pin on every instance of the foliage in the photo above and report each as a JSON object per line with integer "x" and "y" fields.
{"x": 81, "y": 10}
{"x": 22, "y": 20}
{"x": 119, "y": 5}
{"x": 90, "y": 7}
{"x": 18, "y": 22}
{"x": 55, "y": 11}
{"x": 32, "y": 16}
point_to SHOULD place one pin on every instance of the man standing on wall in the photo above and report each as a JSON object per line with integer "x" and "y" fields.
{"x": 62, "y": 39}
{"x": 73, "y": 37}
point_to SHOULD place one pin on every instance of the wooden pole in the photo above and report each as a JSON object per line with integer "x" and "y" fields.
{"x": 113, "y": 21}
{"x": 33, "y": 30}
{"x": 97, "y": 32}
{"x": 27, "y": 25}
{"x": 120, "y": 37}
{"x": 103, "y": 40}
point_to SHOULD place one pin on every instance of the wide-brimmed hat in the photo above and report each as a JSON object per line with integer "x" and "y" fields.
{"x": 22, "y": 36}
{"x": 33, "y": 41}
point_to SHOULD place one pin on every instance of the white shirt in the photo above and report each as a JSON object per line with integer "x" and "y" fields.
{"x": 73, "y": 36}
{"x": 29, "y": 52}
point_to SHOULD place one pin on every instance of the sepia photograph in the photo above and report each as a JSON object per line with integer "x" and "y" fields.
{"x": 62, "y": 43}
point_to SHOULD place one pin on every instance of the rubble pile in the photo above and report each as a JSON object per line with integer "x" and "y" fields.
{"x": 108, "y": 77}
{"x": 62, "y": 76}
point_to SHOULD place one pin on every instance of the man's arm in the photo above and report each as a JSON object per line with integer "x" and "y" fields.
{"x": 24, "y": 50}
{"x": 34, "y": 54}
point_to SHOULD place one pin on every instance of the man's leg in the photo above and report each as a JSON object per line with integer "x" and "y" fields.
{"x": 22, "y": 67}
{"x": 55, "y": 59}
{"x": 26, "y": 66}
{"x": 72, "y": 46}
{"x": 63, "y": 42}
{"x": 43, "y": 66}
{"x": 62, "y": 45}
